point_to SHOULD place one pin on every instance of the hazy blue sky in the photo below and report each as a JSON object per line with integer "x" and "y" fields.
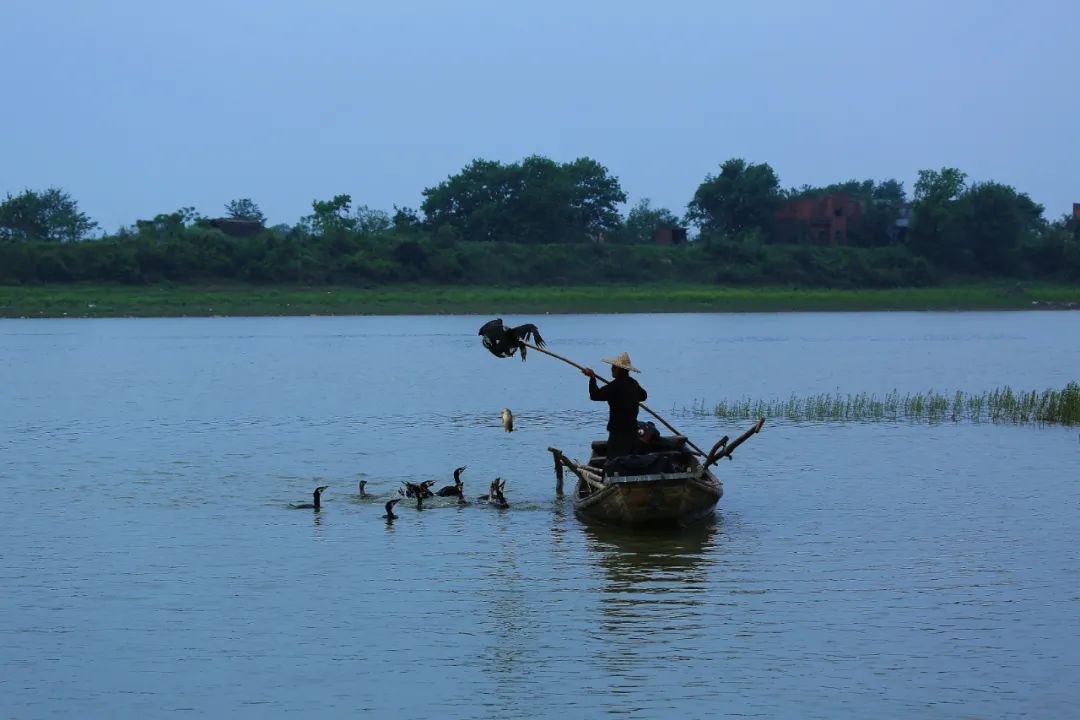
{"x": 139, "y": 107}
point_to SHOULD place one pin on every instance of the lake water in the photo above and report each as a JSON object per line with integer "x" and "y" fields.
{"x": 150, "y": 564}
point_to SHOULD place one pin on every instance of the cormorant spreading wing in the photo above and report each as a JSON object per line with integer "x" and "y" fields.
{"x": 502, "y": 341}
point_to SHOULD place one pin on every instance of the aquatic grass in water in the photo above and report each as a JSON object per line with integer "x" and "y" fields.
{"x": 1000, "y": 405}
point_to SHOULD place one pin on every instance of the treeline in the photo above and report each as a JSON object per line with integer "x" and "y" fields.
{"x": 542, "y": 222}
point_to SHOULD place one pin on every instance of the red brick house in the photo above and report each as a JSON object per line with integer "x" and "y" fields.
{"x": 824, "y": 220}
{"x": 670, "y": 236}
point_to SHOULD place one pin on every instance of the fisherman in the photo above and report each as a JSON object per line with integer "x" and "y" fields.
{"x": 622, "y": 395}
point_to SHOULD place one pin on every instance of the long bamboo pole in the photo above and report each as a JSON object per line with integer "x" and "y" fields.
{"x": 643, "y": 406}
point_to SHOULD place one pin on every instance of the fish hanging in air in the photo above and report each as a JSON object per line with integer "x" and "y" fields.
{"x": 504, "y": 341}
{"x": 508, "y": 420}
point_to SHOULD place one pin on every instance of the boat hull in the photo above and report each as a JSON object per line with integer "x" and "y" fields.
{"x": 667, "y": 485}
{"x": 661, "y": 502}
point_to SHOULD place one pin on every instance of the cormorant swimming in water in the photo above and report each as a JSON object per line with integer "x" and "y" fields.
{"x": 312, "y": 505}
{"x": 495, "y": 495}
{"x": 500, "y": 499}
{"x": 504, "y": 342}
{"x": 455, "y": 489}
{"x": 363, "y": 492}
{"x": 390, "y": 509}
{"x": 508, "y": 420}
{"x": 421, "y": 490}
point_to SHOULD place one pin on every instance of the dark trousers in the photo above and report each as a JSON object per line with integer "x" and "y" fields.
{"x": 621, "y": 442}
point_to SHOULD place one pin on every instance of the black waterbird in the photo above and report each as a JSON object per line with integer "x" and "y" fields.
{"x": 455, "y": 489}
{"x": 504, "y": 341}
{"x": 316, "y": 497}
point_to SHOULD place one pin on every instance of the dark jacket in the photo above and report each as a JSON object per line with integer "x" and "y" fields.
{"x": 622, "y": 395}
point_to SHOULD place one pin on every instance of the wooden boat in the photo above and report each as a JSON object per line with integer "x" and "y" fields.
{"x": 674, "y": 487}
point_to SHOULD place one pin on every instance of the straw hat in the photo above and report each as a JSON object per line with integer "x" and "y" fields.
{"x": 622, "y": 361}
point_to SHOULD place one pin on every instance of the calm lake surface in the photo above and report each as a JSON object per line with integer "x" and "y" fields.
{"x": 150, "y": 564}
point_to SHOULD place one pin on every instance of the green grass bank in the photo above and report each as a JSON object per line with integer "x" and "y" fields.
{"x": 79, "y": 300}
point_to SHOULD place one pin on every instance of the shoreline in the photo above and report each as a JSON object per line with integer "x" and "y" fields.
{"x": 86, "y": 301}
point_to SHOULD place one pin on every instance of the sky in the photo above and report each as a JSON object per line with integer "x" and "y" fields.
{"x": 137, "y": 108}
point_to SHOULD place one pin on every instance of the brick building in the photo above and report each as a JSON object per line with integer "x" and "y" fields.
{"x": 824, "y": 220}
{"x": 670, "y": 236}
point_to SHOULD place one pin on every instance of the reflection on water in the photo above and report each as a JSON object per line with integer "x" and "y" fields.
{"x": 650, "y": 598}
{"x": 161, "y": 568}
{"x": 631, "y": 558}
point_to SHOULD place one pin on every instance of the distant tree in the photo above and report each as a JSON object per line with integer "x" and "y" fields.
{"x": 890, "y": 193}
{"x": 535, "y": 201}
{"x": 743, "y": 197}
{"x": 593, "y": 195}
{"x": 331, "y": 216}
{"x": 475, "y": 201}
{"x": 994, "y": 221}
{"x": 164, "y": 225}
{"x": 190, "y": 216}
{"x": 410, "y": 253}
{"x": 1066, "y": 233}
{"x": 887, "y": 201}
{"x": 405, "y": 218}
{"x": 981, "y": 228}
{"x": 932, "y": 229}
{"x": 369, "y": 220}
{"x": 49, "y": 216}
{"x": 939, "y": 186}
{"x": 861, "y": 190}
{"x": 643, "y": 221}
{"x": 539, "y": 203}
{"x": 245, "y": 209}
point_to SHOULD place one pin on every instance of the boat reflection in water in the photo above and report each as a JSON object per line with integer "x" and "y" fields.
{"x": 655, "y": 608}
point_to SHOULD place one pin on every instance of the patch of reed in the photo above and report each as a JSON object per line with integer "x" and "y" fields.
{"x": 999, "y": 405}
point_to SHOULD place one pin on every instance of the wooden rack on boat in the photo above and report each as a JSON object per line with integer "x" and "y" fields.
{"x": 594, "y": 478}
{"x": 584, "y": 472}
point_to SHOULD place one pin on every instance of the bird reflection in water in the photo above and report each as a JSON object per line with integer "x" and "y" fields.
{"x": 514, "y": 619}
